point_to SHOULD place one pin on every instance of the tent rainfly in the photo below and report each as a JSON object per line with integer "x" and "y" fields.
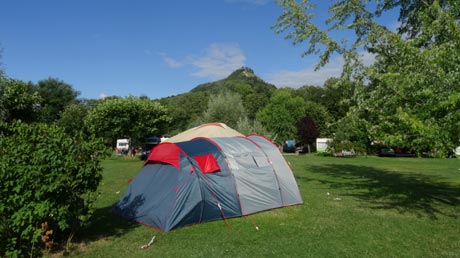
{"x": 205, "y": 130}
{"x": 206, "y": 179}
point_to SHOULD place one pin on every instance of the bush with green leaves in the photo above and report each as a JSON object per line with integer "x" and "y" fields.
{"x": 131, "y": 117}
{"x": 48, "y": 182}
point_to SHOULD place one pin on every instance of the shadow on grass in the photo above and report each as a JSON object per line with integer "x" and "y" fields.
{"x": 418, "y": 194}
{"x": 104, "y": 223}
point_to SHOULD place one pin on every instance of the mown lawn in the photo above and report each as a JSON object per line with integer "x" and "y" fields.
{"x": 354, "y": 207}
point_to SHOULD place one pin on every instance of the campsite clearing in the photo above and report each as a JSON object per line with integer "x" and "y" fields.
{"x": 360, "y": 207}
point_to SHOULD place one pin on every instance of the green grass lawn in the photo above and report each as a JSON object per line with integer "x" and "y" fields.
{"x": 353, "y": 207}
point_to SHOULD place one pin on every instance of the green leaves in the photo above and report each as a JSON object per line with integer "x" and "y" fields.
{"x": 56, "y": 95}
{"x": 297, "y": 21}
{"x": 45, "y": 176}
{"x": 281, "y": 115}
{"x": 18, "y": 101}
{"x": 129, "y": 117}
{"x": 419, "y": 88}
{"x": 409, "y": 97}
{"x": 226, "y": 107}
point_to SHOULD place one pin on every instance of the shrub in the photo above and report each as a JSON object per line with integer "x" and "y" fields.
{"x": 47, "y": 185}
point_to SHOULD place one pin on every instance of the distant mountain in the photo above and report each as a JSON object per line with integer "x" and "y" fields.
{"x": 187, "y": 107}
{"x": 236, "y": 81}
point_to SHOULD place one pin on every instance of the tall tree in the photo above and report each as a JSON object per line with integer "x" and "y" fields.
{"x": 226, "y": 107}
{"x": 409, "y": 97}
{"x": 312, "y": 93}
{"x": 248, "y": 126}
{"x": 307, "y": 132}
{"x": 281, "y": 115}
{"x": 335, "y": 95}
{"x": 18, "y": 101}
{"x": 416, "y": 18}
{"x": 253, "y": 103}
{"x": 416, "y": 80}
{"x": 184, "y": 109}
{"x": 339, "y": 96}
{"x": 56, "y": 95}
{"x": 321, "y": 116}
{"x": 415, "y": 100}
{"x": 129, "y": 117}
{"x": 73, "y": 117}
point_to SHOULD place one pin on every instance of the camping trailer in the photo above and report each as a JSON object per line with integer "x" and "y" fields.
{"x": 122, "y": 146}
{"x": 322, "y": 144}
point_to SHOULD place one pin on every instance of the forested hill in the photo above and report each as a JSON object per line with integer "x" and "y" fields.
{"x": 239, "y": 81}
{"x": 186, "y": 107}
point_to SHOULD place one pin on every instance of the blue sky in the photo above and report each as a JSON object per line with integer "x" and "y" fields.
{"x": 151, "y": 48}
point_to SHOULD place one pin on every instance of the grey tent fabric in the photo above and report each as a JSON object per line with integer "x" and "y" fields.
{"x": 218, "y": 188}
{"x": 207, "y": 179}
{"x": 256, "y": 183}
{"x": 288, "y": 186}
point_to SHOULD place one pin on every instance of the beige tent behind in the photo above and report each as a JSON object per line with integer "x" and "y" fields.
{"x": 205, "y": 130}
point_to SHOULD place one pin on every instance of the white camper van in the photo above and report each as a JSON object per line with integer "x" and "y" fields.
{"x": 122, "y": 146}
{"x": 322, "y": 144}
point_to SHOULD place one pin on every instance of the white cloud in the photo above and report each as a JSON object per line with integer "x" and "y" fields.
{"x": 218, "y": 61}
{"x": 309, "y": 76}
{"x": 103, "y": 96}
{"x": 171, "y": 62}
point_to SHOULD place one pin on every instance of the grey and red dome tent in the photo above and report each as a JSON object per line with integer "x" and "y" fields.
{"x": 208, "y": 179}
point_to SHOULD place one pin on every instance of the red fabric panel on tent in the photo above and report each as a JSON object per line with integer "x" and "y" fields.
{"x": 166, "y": 152}
{"x": 207, "y": 163}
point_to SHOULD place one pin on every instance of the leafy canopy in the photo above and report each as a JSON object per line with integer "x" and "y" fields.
{"x": 226, "y": 107}
{"x": 55, "y": 95}
{"x": 409, "y": 96}
{"x": 18, "y": 101}
{"x": 281, "y": 114}
{"x": 130, "y": 117}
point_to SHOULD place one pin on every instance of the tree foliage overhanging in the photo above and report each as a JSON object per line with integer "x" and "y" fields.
{"x": 410, "y": 96}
